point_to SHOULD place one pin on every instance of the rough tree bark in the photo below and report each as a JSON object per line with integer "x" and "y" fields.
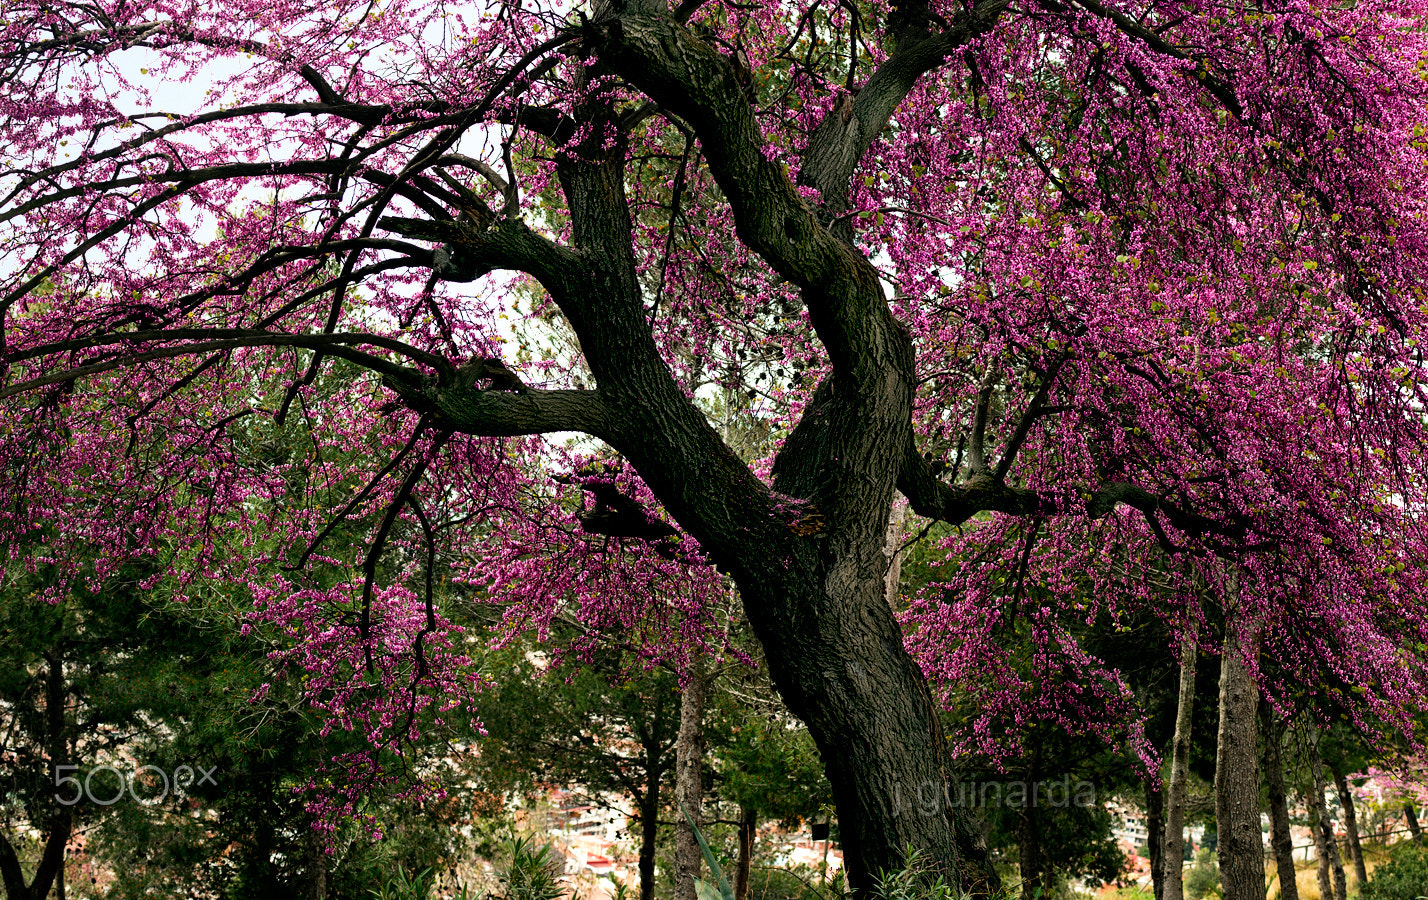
{"x": 1331, "y": 869}
{"x": 689, "y": 784}
{"x": 1281, "y": 840}
{"x": 1173, "y": 857}
{"x": 1351, "y": 824}
{"x": 1241, "y": 848}
{"x": 897, "y": 525}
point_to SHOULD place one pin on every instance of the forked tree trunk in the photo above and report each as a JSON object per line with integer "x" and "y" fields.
{"x": 1241, "y": 848}
{"x": 49, "y": 870}
{"x": 1281, "y": 840}
{"x": 1351, "y": 825}
{"x": 1331, "y": 867}
{"x": 1173, "y": 857}
{"x": 689, "y": 784}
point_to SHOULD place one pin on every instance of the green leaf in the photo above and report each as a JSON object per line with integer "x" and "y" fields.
{"x": 725, "y": 892}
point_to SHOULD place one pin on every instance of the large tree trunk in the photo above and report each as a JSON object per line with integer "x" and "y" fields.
{"x": 1241, "y": 847}
{"x": 689, "y": 784}
{"x": 809, "y": 557}
{"x": 840, "y": 665}
{"x": 1351, "y": 825}
{"x": 1173, "y": 857}
{"x": 1412, "y": 817}
{"x": 1281, "y": 840}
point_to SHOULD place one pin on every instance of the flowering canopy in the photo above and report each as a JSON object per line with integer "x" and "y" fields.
{"x": 1134, "y": 287}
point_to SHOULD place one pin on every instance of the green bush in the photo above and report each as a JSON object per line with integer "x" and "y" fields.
{"x": 1403, "y": 877}
{"x": 1203, "y": 879}
{"x": 915, "y": 881}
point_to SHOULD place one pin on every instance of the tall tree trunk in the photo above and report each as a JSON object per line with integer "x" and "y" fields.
{"x": 649, "y": 835}
{"x": 812, "y": 574}
{"x": 1332, "y": 863}
{"x": 1280, "y": 837}
{"x": 1351, "y": 825}
{"x": 1241, "y": 847}
{"x": 1155, "y": 834}
{"x": 1412, "y": 817}
{"x": 689, "y": 784}
{"x": 1324, "y": 849}
{"x": 1173, "y": 856}
{"x": 316, "y": 867}
{"x": 1028, "y": 839}
{"x": 978, "y": 878}
{"x": 748, "y": 823}
{"x": 1321, "y": 849}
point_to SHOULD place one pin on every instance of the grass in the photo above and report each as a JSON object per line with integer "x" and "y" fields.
{"x": 1307, "y": 873}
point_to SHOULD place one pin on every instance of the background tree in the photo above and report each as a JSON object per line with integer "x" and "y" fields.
{"x": 606, "y": 731}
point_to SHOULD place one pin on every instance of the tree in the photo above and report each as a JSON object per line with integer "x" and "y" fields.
{"x": 1241, "y": 847}
{"x": 607, "y": 731}
{"x": 1156, "y": 286}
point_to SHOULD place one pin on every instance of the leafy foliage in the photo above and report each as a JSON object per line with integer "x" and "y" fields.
{"x": 1404, "y": 876}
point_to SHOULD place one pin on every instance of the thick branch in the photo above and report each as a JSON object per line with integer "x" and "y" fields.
{"x": 849, "y": 129}
{"x": 391, "y": 372}
{"x": 955, "y": 504}
{"x": 472, "y": 249}
{"x": 496, "y": 413}
{"x": 696, "y": 82}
